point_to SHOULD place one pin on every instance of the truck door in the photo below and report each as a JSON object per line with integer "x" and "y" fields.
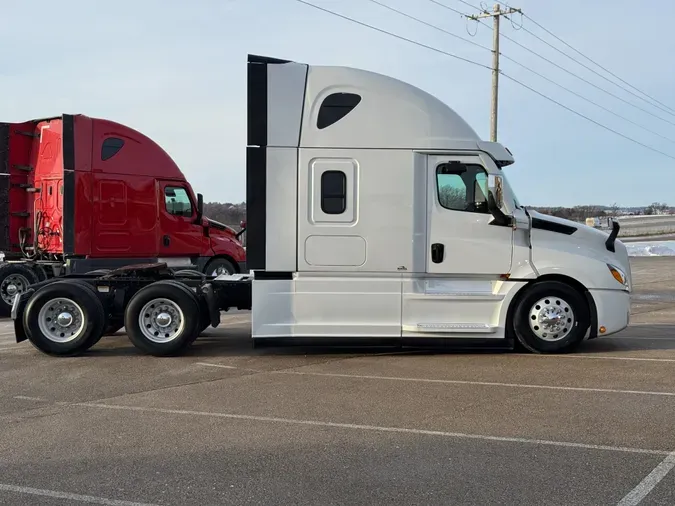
{"x": 179, "y": 235}
{"x": 461, "y": 240}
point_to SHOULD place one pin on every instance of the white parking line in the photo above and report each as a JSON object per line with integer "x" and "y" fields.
{"x": 452, "y": 382}
{"x": 649, "y": 482}
{"x": 373, "y": 428}
{"x": 70, "y": 497}
{"x": 595, "y": 357}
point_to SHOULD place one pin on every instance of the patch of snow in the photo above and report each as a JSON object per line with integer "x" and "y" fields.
{"x": 651, "y": 249}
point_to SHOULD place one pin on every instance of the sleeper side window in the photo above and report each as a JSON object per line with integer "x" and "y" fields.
{"x": 335, "y": 107}
{"x": 110, "y": 147}
{"x": 462, "y": 187}
{"x": 177, "y": 201}
{"x": 333, "y": 192}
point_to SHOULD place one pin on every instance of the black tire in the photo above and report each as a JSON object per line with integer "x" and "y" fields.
{"x": 88, "y": 304}
{"x": 219, "y": 263}
{"x": 183, "y": 298}
{"x": 561, "y": 299}
{"x": 10, "y": 272}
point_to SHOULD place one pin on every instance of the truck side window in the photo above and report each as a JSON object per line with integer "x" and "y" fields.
{"x": 462, "y": 187}
{"x": 335, "y": 107}
{"x": 110, "y": 147}
{"x": 333, "y": 192}
{"x": 177, "y": 201}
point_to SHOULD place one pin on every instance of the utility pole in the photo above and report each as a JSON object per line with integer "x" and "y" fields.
{"x": 496, "y": 14}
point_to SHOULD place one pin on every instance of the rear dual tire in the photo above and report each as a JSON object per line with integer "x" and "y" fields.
{"x": 163, "y": 318}
{"x": 64, "y": 318}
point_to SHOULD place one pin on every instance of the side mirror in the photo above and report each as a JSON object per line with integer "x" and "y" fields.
{"x": 496, "y": 201}
{"x": 496, "y": 189}
{"x": 200, "y": 208}
{"x": 242, "y": 225}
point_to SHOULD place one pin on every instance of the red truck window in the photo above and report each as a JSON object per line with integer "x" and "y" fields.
{"x": 110, "y": 147}
{"x": 177, "y": 201}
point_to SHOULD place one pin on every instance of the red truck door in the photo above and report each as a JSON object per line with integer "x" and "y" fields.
{"x": 179, "y": 234}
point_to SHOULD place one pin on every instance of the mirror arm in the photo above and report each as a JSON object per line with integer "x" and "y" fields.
{"x": 501, "y": 219}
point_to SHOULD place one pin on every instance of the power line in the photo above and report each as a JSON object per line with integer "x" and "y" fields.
{"x": 595, "y": 63}
{"x": 588, "y": 100}
{"x": 464, "y": 39}
{"x": 449, "y": 8}
{"x": 442, "y": 30}
{"x": 470, "y": 5}
{"x": 393, "y": 34}
{"x": 590, "y": 83}
{"x": 505, "y": 75}
{"x": 666, "y": 110}
{"x": 587, "y": 118}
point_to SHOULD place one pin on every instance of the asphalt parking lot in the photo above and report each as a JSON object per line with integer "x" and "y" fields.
{"x": 230, "y": 424}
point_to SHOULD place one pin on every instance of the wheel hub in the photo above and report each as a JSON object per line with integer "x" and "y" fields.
{"x": 64, "y": 319}
{"x": 12, "y": 289}
{"x": 163, "y": 320}
{"x": 551, "y": 319}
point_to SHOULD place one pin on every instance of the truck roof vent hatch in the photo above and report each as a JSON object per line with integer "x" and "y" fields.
{"x": 335, "y": 107}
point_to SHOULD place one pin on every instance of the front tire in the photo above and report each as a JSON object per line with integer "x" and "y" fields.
{"x": 163, "y": 318}
{"x": 551, "y": 317}
{"x": 219, "y": 266}
{"x": 64, "y": 318}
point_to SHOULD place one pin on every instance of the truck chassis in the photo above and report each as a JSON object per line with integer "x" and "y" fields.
{"x": 163, "y": 310}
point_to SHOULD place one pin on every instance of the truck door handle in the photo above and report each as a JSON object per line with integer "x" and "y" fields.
{"x": 437, "y": 252}
{"x": 166, "y": 240}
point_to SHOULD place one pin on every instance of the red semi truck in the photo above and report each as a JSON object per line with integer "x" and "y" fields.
{"x": 81, "y": 194}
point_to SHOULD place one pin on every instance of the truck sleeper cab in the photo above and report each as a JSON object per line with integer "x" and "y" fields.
{"x": 85, "y": 194}
{"x": 401, "y": 223}
{"x": 374, "y": 212}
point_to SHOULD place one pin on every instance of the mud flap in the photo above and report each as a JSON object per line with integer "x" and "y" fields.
{"x": 17, "y": 314}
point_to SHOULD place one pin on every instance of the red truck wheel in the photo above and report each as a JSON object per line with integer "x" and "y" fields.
{"x": 14, "y": 278}
{"x": 219, "y": 266}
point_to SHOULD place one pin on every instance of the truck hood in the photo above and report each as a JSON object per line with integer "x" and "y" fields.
{"x": 575, "y": 245}
{"x": 220, "y": 226}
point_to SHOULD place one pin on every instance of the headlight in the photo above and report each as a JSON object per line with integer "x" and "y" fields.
{"x": 618, "y": 274}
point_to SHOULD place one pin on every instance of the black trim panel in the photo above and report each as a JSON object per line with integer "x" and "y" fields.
{"x": 256, "y": 104}
{"x": 256, "y": 207}
{"x": 5, "y": 241}
{"x": 272, "y": 275}
{"x": 552, "y": 226}
{"x": 68, "y": 140}
{"x": 254, "y": 58}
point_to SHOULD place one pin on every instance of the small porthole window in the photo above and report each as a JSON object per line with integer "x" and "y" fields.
{"x": 333, "y": 192}
{"x": 110, "y": 147}
{"x": 335, "y": 107}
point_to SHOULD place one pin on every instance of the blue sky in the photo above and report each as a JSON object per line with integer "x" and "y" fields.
{"x": 176, "y": 71}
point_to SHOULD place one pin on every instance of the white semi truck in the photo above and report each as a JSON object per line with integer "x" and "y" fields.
{"x": 374, "y": 212}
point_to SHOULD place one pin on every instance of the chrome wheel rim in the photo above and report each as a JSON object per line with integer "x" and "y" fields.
{"x": 551, "y": 319}
{"x": 61, "y": 320}
{"x": 220, "y": 270}
{"x": 161, "y": 320}
{"x": 13, "y": 285}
